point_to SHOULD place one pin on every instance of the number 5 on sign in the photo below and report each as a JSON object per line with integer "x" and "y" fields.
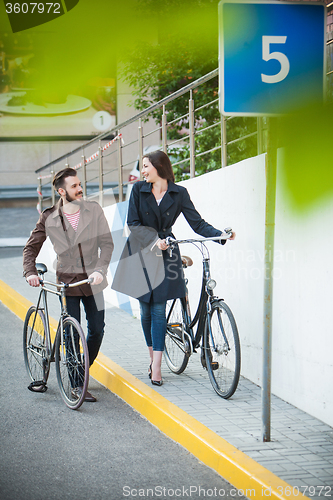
{"x": 260, "y": 46}
{"x": 279, "y": 56}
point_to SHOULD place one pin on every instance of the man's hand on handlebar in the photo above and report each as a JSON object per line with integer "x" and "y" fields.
{"x": 33, "y": 280}
{"x": 97, "y": 278}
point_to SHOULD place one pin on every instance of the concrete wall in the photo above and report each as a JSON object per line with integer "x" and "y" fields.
{"x": 19, "y": 160}
{"x": 302, "y": 366}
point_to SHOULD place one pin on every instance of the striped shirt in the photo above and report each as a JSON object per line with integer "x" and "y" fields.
{"x": 73, "y": 219}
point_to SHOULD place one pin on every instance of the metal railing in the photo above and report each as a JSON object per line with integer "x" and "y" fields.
{"x": 103, "y": 161}
{"x": 106, "y": 158}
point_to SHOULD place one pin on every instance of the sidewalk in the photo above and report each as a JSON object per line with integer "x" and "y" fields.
{"x": 301, "y": 450}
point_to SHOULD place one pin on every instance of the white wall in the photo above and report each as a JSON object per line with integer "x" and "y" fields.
{"x": 302, "y": 367}
{"x": 234, "y": 197}
{"x": 303, "y": 312}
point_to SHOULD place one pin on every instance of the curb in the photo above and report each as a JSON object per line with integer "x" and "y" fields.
{"x": 250, "y": 478}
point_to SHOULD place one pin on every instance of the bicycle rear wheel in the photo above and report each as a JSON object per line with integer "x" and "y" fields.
{"x": 72, "y": 362}
{"x": 222, "y": 350}
{"x": 34, "y": 345}
{"x": 176, "y": 351}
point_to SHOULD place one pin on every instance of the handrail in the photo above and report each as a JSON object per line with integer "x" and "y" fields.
{"x": 134, "y": 118}
{"x": 189, "y": 152}
{"x": 67, "y": 155}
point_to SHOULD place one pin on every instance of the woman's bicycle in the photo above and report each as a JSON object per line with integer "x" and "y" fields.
{"x": 216, "y": 331}
{"x": 69, "y": 350}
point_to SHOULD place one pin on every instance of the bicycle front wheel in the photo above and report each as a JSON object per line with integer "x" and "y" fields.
{"x": 176, "y": 351}
{"x": 222, "y": 350}
{"x": 34, "y": 345}
{"x": 72, "y": 362}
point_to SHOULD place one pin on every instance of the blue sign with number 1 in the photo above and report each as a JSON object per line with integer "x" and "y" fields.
{"x": 272, "y": 56}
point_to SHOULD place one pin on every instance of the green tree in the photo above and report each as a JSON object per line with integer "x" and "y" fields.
{"x": 175, "y": 54}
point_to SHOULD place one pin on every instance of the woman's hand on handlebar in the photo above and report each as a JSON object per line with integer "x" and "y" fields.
{"x": 162, "y": 244}
{"x": 231, "y": 234}
{"x": 33, "y": 280}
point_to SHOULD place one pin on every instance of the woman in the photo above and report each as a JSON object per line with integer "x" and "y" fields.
{"x": 146, "y": 270}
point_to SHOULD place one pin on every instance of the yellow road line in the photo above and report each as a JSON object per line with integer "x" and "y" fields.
{"x": 243, "y": 472}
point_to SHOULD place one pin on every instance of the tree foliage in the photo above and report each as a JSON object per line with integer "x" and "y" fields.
{"x": 171, "y": 58}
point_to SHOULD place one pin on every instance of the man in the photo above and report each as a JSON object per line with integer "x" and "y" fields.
{"x": 82, "y": 241}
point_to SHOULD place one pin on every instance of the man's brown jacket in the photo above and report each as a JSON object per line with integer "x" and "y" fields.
{"x": 79, "y": 253}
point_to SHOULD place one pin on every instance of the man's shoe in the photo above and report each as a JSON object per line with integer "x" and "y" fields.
{"x": 77, "y": 391}
{"x": 90, "y": 398}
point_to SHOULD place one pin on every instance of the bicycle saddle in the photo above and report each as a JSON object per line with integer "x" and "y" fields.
{"x": 41, "y": 268}
{"x": 186, "y": 261}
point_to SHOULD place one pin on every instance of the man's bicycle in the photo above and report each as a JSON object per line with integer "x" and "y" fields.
{"x": 216, "y": 331}
{"x": 69, "y": 350}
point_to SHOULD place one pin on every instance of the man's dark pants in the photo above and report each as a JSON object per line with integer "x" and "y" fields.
{"x": 95, "y": 314}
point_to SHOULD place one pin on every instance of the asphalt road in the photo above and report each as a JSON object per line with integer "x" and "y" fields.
{"x": 104, "y": 450}
{"x": 17, "y": 222}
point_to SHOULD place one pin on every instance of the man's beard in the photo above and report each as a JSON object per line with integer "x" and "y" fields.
{"x": 72, "y": 200}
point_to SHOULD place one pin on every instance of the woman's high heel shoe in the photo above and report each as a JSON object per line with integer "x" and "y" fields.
{"x": 154, "y": 382}
{"x": 157, "y": 382}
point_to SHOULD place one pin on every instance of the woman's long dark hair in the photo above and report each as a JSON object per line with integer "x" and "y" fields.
{"x": 162, "y": 163}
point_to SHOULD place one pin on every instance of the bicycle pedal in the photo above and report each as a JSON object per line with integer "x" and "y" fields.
{"x": 214, "y": 364}
{"x": 76, "y": 392}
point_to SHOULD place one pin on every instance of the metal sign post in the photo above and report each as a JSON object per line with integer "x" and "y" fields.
{"x": 271, "y": 161}
{"x": 268, "y": 69}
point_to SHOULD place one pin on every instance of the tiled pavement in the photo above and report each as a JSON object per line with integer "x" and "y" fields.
{"x": 301, "y": 450}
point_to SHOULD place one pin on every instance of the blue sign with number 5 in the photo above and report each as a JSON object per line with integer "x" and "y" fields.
{"x": 272, "y": 56}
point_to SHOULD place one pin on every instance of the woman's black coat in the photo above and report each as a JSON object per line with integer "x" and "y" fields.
{"x": 144, "y": 271}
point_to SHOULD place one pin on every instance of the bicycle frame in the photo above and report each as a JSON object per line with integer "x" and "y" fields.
{"x": 205, "y": 301}
{"x": 50, "y": 346}
{"x": 60, "y": 292}
{"x": 216, "y": 331}
{"x": 207, "y": 297}
{"x": 67, "y": 348}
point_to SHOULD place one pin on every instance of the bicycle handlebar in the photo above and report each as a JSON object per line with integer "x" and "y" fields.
{"x": 78, "y": 283}
{"x": 226, "y": 234}
{"x": 67, "y": 285}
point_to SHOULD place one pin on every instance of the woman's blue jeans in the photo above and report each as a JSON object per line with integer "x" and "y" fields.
{"x": 153, "y": 321}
